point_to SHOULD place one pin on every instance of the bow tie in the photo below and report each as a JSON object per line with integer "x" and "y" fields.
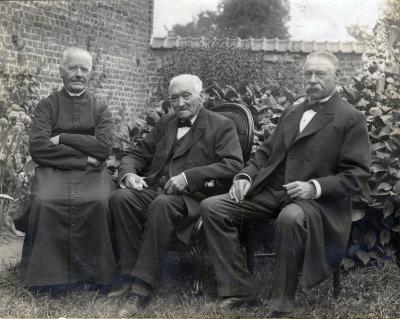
{"x": 184, "y": 123}
{"x": 316, "y": 106}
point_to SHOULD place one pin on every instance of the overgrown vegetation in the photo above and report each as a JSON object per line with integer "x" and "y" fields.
{"x": 375, "y": 91}
{"x": 16, "y": 110}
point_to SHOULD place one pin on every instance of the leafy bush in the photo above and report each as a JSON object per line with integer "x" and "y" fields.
{"x": 218, "y": 60}
{"x": 16, "y": 110}
{"x": 375, "y": 91}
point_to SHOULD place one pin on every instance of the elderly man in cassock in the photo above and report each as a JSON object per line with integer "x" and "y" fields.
{"x": 304, "y": 175}
{"x": 181, "y": 153}
{"x": 67, "y": 238}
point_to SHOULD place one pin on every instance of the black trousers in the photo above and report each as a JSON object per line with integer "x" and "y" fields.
{"x": 223, "y": 219}
{"x": 144, "y": 222}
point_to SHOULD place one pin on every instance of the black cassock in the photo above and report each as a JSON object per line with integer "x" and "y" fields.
{"x": 67, "y": 217}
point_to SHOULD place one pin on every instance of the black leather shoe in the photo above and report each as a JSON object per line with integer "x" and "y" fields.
{"x": 121, "y": 290}
{"x": 133, "y": 305}
{"x": 236, "y": 302}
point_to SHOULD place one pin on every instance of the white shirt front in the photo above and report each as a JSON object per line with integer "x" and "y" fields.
{"x": 182, "y": 131}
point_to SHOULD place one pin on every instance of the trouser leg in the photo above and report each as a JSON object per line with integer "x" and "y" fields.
{"x": 223, "y": 220}
{"x": 128, "y": 215}
{"x": 164, "y": 215}
{"x": 289, "y": 241}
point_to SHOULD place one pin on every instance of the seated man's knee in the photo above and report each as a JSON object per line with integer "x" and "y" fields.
{"x": 162, "y": 200}
{"x": 118, "y": 196}
{"x": 209, "y": 204}
{"x": 291, "y": 215}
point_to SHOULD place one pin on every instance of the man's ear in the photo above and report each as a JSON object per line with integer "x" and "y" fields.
{"x": 338, "y": 73}
{"x": 60, "y": 71}
{"x": 202, "y": 96}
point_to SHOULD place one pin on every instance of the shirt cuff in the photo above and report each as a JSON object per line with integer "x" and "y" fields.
{"x": 243, "y": 176}
{"x": 184, "y": 176}
{"x": 317, "y": 188}
{"x": 122, "y": 182}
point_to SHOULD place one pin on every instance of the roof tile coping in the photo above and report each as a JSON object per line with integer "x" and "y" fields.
{"x": 263, "y": 44}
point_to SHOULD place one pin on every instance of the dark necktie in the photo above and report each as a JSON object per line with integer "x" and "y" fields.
{"x": 316, "y": 106}
{"x": 184, "y": 123}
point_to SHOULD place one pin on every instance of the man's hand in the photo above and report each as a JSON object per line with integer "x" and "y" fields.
{"x": 301, "y": 190}
{"x": 175, "y": 184}
{"x": 239, "y": 189}
{"x": 135, "y": 182}
{"x": 93, "y": 161}
{"x": 55, "y": 139}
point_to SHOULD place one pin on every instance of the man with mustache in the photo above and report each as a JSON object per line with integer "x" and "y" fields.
{"x": 67, "y": 238}
{"x": 304, "y": 176}
{"x": 181, "y": 153}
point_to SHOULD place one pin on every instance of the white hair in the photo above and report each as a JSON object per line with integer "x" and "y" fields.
{"x": 72, "y": 50}
{"x": 329, "y": 56}
{"x": 194, "y": 79}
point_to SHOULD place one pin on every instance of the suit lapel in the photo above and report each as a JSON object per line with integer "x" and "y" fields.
{"x": 170, "y": 135}
{"x": 323, "y": 117}
{"x": 291, "y": 124}
{"x": 194, "y": 134}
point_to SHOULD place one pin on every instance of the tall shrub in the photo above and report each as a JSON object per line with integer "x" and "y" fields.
{"x": 375, "y": 91}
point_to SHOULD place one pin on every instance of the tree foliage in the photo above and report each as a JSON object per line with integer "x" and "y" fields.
{"x": 359, "y": 32}
{"x": 241, "y": 18}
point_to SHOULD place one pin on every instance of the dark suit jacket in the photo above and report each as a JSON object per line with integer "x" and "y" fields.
{"x": 211, "y": 150}
{"x": 334, "y": 149}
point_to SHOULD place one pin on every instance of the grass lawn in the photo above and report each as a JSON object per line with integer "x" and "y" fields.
{"x": 366, "y": 292}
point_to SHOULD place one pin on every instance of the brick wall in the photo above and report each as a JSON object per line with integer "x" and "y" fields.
{"x": 33, "y": 35}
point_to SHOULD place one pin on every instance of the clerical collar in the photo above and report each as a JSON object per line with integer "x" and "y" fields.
{"x": 74, "y": 94}
{"x": 325, "y": 99}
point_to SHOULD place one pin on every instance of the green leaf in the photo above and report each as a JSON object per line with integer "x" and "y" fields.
{"x": 394, "y": 172}
{"x": 377, "y": 146}
{"x": 348, "y": 263}
{"x": 384, "y": 237}
{"x": 396, "y": 187}
{"x": 384, "y": 186}
{"x": 375, "y": 111}
{"x": 370, "y": 239}
{"x": 388, "y": 209}
{"x": 357, "y": 215}
{"x": 377, "y": 168}
{"x": 5, "y": 196}
{"x": 395, "y": 139}
{"x": 363, "y": 256}
{"x": 385, "y": 131}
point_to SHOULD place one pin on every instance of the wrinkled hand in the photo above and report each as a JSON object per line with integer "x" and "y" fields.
{"x": 93, "y": 161}
{"x": 55, "y": 139}
{"x": 135, "y": 182}
{"x": 300, "y": 190}
{"x": 175, "y": 184}
{"x": 239, "y": 189}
